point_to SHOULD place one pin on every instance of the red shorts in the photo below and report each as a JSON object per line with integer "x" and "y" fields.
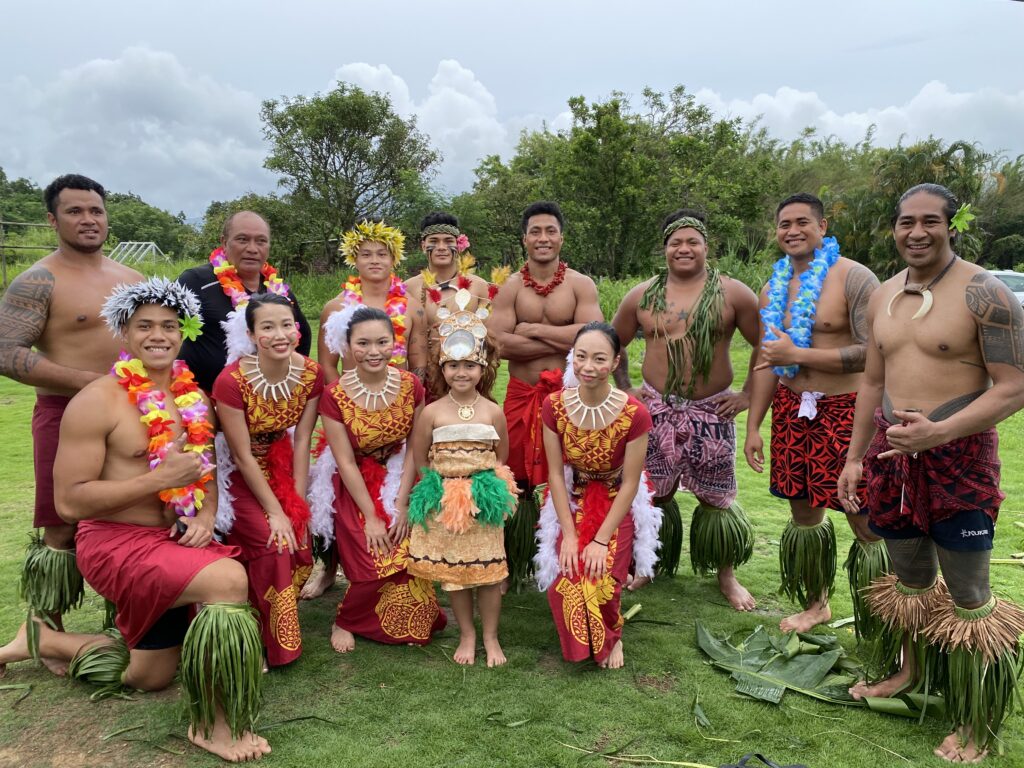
{"x": 46, "y": 418}
{"x": 140, "y": 569}
{"x": 808, "y": 455}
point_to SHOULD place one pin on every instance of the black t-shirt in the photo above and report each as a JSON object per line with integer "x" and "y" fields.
{"x": 206, "y": 355}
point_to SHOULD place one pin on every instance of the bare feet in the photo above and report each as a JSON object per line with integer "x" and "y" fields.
{"x": 954, "y": 749}
{"x": 248, "y": 747}
{"x": 616, "y": 659}
{"x": 16, "y": 650}
{"x": 884, "y": 689}
{"x": 495, "y": 656}
{"x": 319, "y": 581}
{"x": 342, "y": 640}
{"x": 637, "y": 582}
{"x": 805, "y": 621}
{"x": 737, "y": 595}
{"x": 466, "y": 652}
{"x": 58, "y": 667}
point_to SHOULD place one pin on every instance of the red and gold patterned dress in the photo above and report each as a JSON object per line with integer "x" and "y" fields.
{"x": 586, "y": 612}
{"x": 274, "y": 578}
{"x": 383, "y": 602}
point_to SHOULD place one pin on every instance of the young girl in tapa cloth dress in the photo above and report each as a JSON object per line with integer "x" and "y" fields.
{"x": 457, "y": 511}
{"x": 598, "y": 516}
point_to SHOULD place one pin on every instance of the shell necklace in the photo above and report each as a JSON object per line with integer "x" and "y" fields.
{"x": 351, "y": 380}
{"x": 280, "y": 390}
{"x": 924, "y": 292}
{"x": 599, "y": 415}
{"x": 466, "y": 410}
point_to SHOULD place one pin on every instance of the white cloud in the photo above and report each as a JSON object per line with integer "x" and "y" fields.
{"x": 141, "y": 122}
{"x": 993, "y": 117}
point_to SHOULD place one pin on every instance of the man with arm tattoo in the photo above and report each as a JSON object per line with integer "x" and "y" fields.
{"x": 814, "y": 329}
{"x": 936, "y": 384}
{"x": 688, "y": 314}
{"x": 53, "y": 338}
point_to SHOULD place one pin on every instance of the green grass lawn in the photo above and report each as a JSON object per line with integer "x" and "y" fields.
{"x": 397, "y": 706}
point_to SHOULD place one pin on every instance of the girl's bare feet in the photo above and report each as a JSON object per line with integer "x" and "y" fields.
{"x": 638, "y": 582}
{"x": 495, "y": 655}
{"x": 319, "y": 581}
{"x": 342, "y": 640}
{"x": 466, "y": 652}
{"x": 616, "y": 659}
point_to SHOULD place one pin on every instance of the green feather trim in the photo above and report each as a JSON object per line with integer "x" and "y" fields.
{"x": 807, "y": 562}
{"x": 102, "y": 665}
{"x": 697, "y": 345}
{"x": 425, "y": 497}
{"x": 520, "y": 539}
{"x": 492, "y": 498}
{"x": 671, "y": 536}
{"x": 50, "y": 581}
{"x": 980, "y": 695}
{"x": 719, "y": 537}
{"x": 222, "y": 666}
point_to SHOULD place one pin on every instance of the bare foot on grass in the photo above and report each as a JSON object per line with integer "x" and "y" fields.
{"x": 883, "y": 689}
{"x": 616, "y": 659}
{"x": 248, "y": 747}
{"x": 955, "y": 750}
{"x": 737, "y": 595}
{"x": 466, "y": 652}
{"x": 495, "y": 655}
{"x": 342, "y": 640}
{"x": 638, "y": 582}
{"x": 16, "y": 650}
{"x": 805, "y": 621}
{"x": 319, "y": 581}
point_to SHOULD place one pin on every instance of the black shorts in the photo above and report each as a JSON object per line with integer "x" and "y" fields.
{"x": 168, "y": 631}
{"x": 969, "y": 531}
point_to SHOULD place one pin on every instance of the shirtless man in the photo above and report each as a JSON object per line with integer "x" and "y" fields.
{"x": 447, "y": 268}
{"x": 375, "y": 250}
{"x": 689, "y": 314}
{"x": 135, "y": 551}
{"x": 53, "y": 338}
{"x": 811, "y": 388}
{"x": 936, "y": 383}
{"x": 535, "y": 318}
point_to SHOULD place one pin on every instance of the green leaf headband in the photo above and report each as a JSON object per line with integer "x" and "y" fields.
{"x": 440, "y": 229}
{"x": 684, "y": 222}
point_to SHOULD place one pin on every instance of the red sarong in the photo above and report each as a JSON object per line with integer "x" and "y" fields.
{"x": 586, "y": 613}
{"x": 274, "y": 578}
{"x": 383, "y": 601}
{"x": 140, "y": 569}
{"x": 917, "y": 491}
{"x": 46, "y": 416}
{"x": 522, "y": 408}
{"x": 808, "y": 454}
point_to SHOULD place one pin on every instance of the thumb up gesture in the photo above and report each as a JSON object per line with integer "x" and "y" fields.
{"x": 179, "y": 467}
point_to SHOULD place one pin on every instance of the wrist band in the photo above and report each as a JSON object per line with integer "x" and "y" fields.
{"x": 602, "y": 543}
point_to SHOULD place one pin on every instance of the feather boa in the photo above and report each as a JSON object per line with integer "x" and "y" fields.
{"x": 236, "y": 335}
{"x": 321, "y": 496}
{"x": 280, "y": 477}
{"x": 392, "y": 482}
{"x": 646, "y": 523}
{"x": 336, "y": 328}
{"x": 225, "y": 520}
{"x": 569, "y": 379}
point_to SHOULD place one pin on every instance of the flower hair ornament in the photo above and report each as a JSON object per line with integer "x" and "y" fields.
{"x": 376, "y": 232}
{"x": 125, "y": 299}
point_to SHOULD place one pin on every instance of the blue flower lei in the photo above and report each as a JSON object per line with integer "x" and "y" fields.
{"x": 805, "y": 305}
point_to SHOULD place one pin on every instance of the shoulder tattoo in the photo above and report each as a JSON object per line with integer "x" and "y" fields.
{"x": 23, "y": 314}
{"x": 1000, "y": 320}
{"x": 860, "y": 284}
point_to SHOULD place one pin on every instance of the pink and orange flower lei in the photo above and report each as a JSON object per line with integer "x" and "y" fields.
{"x": 396, "y": 305}
{"x": 227, "y": 276}
{"x": 142, "y": 393}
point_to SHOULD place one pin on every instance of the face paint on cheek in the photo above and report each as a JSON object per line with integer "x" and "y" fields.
{"x": 264, "y": 341}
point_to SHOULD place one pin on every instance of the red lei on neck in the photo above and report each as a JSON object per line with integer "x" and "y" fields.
{"x": 543, "y": 290}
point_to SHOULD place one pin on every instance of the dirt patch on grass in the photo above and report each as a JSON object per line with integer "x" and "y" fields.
{"x": 659, "y": 683}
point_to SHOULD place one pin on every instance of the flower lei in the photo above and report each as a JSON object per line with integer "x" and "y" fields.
{"x": 543, "y": 290}
{"x": 142, "y": 393}
{"x": 227, "y": 276}
{"x": 805, "y": 305}
{"x": 395, "y": 305}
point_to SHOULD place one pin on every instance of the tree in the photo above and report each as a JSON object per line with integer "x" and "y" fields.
{"x": 131, "y": 218}
{"x": 344, "y": 156}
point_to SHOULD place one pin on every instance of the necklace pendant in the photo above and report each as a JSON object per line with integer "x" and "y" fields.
{"x": 466, "y": 412}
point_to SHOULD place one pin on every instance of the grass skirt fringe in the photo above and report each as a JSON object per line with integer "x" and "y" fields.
{"x": 222, "y": 665}
{"x": 983, "y": 664}
{"x": 671, "y": 536}
{"x": 807, "y": 561}
{"x": 50, "y": 581}
{"x": 102, "y": 665}
{"x": 520, "y": 539}
{"x": 866, "y": 562}
{"x": 719, "y": 537}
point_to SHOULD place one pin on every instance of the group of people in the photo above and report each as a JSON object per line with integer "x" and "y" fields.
{"x": 175, "y": 423}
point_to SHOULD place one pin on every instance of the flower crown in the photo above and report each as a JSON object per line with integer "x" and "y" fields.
{"x": 373, "y": 231}
{"x": 125, "y": 300}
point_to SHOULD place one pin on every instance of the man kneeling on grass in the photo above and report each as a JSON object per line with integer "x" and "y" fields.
{"x": 133, "y": 469}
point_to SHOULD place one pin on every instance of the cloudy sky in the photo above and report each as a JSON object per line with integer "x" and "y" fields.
{"x": 164, "y": 100}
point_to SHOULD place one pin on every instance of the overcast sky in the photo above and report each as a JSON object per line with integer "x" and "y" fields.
{"x": 163, "y": 100}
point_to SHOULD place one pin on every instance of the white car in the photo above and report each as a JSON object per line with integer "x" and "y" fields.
{"x": 1014, "y": 281}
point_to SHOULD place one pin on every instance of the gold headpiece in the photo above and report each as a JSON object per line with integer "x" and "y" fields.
{"x": 463, "y": 334}
{"x": 373, "y": 231}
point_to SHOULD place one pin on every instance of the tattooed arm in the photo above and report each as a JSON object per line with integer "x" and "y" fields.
{"x": 24, "y": 311}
